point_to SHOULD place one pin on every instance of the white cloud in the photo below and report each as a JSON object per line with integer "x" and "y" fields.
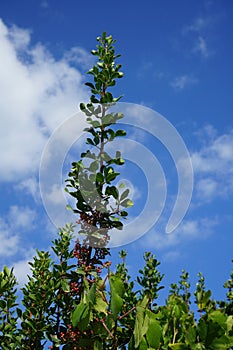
{"x": 56, "y": 195}
{"x": 44, "y": 4}
{"x": 30, "y": 186}
{"x": 213, "y": 170}
{"x": 201, "y": 47}
{"x": 22, "y": 268}
{"x": 179, "y": 83}
{"x": 21, "y": 217}
{"x": 79, "y": 56}
{"x": 199, "y": 33}
{"x": 171, "y": 256}
{"x": 206, "y": 134}
{"x": 188, "y": 230}
{"x": 213, "y": 167}
{"x": 206, "y": 189}
{"x": 20, "y": 38}
{"x": 17, "y": 221}
{"x": 9, "y": 242}
{"x": 37, "y": 93}
{"x": 198, "y": 25}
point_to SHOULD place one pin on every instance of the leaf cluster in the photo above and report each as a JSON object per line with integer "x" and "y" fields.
{"x": 72, "y": 304}
{"x": 100, "y": 204}
{"x": 74, "y": 299}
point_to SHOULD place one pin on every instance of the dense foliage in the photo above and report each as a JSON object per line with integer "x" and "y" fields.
{"x": 74, "y": 299}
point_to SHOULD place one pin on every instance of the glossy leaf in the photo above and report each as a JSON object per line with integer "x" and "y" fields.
{"x": 116, "y": 293}
{"x": 127, "y": 203}
{"x": 80, "y": 314}
{"x": 120, "y": 133}
{"x": 124, "y": 194}
{"x": 112, "y": 190}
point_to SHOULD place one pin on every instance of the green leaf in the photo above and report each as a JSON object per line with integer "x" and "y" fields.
{"x": 124, "y": 194}
{"x": 90, "y": 85}
{"x": 6, "y": 271}
{"x": 218, "y": 317}
{"x": 118, "y": 98}
{"x": 143, "y": 344}
{"x": 97, "y": 110}
{"x": 98, "y": 85}
{"x": 110, "y": 177}
{"x": 94, "y": 99}
{"x": 112, "y": 83}
{"x": 112, "y": 191}
{"x": 120, "y": 133}
{"x": 91, "y": 297}
{"x": 65, "y": 285}
{"x": 178, "y": 346}
{"x": 90, "y": 142}
{"x": 118, "y": 154}
{"x": 190, "y": 335}
{"x": 19, "y": 312}
{"x": 111, "y": 134}
{"x": 154, "y": 332}
{"x": 141, "y": 321}
{"x": 100, "y": 178}
{"x": 108, "y": 119}
{"x": 94, "y": 166}
{"x": 202, "y": 329}
{"x": 2, "y": 304}
{"x": 229, "y": 323}
{"x": 68, "y": 207}
{"x": 96, "y": 139}
{"x": 127, "y": 203}
{"x": 101, "y": 305}
{"x": 98, "y": 345}
{"x": 116, "y": 291}
{"x": 105, "y": 156}
{"x": 81, "y": 313}
{"x": 82, "y": 106}
{"x": 95, "y": 123}
{"x": 117, "y": 224}
{"x": 222, "y": 343}
{"x": 80, "y": 271}
{"x": 107, "y": 98}
{"x": 118, "y": 161}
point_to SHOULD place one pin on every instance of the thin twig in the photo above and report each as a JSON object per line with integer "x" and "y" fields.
{"x": 107, "y": 329}
{"x": 127, "y": 313}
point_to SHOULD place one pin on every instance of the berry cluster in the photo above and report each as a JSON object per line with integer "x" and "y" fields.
{"x": 74, "y": 287}
{"x": 72, "y": 336}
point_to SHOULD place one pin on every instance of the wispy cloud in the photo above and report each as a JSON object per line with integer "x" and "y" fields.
{"x": 213, "y": 166}
{"x": 9, "y": 241}
{"x": 181, "y": 82}
{"x": 172, "y": 255}
{"x": 22, "y": 268}
{"x": 198, "y": 25}
{"x": 44, "y": 4}
{"x": 21, "y": 217}
{"x": 199, "y": 228}
{"x": 201, "y": 47}
{"x": 199, "y": 34}
{"x": 213, "y": 171}
{"x": 80, "y": 57}
{"x": 17, "y": 221}
{"x": 29, "y": 186}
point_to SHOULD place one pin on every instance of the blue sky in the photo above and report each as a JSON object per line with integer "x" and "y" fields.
{"x": 177, "y": 60}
